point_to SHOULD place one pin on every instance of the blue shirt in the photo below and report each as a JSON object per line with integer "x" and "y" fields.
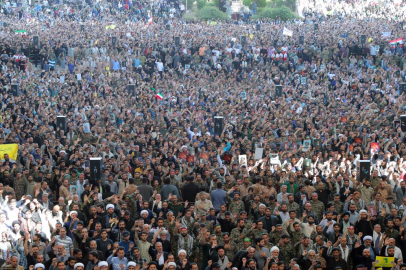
{"x": 218, "y": 197}
{"x": 126, "y": 245}
{"x": 115, "y": 262}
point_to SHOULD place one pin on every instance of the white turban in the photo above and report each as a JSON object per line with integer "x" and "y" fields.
{"x": 110, "y": 206}
{"x": 172, "y": 264}
{"x": 73, "y": 212}
{"x": 363, "y": 211}
{"x": 103, "y": 263}
{"x": 39, "y": 265}
{"x": 131, "y": 264}
{"x": 144, "y": 211}
{"x": 77, "y": 265}
{"x": 182, "y": 251}
{"x": 274, "y": 248}
{"x": 367, "y": 238}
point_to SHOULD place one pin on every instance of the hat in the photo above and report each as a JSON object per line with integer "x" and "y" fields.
{"x": 246, "y": 239}
{"x": 39, "y": 265}
{"x": 172, "y": 264}
{"x": 110, "y": 206}
{"x": 274, "y": 248}
{"x": 183, "y": 228}
{"x": 103, "y": 263}
{"x": 79, "y": 222}
{"x": 182, "y": 251}
{"x": 207, "y": 133}
{"x": 126, "y": 234}
{"x": 346, "y": 214}
{"x": 367, "y": 238}
{"x": 131, "y": 264}
{"x": 363, "y": 211}
{"x": 216, "y": 265}
{"x": 77, "y": 265}
{"x": 73, "y": 212}
{"x": 144, "y": 212}
{"x": 285, "y": 236}
{"x": 219, "y": 247}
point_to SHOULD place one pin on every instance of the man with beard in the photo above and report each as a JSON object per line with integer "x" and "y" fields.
{"x": 227, "y": 224}
{"x": 363, "y": 225}
{"x": 276, "y": 233}
{"x": 184, "y": 240}
{"x": 269, "y": 220}
{"x": 335, "y": 259}
{"x": 344, "y": 222}
{"x": 309, "y": 227}
{"x": 390, "y": 252}
{"x": 222, "y": 258}
{"x": 229, "y": 245}
{"x": 239, "y": 233}
{"x": 182, "y": 263}
{"x": 365, "y": 259}
{"x": 235, "y": 205}
{"x": 306, "y": 262}
{"x": 286, "y": 250}
{"x": 333, "y": 236}
{"x": 360, "y": 248}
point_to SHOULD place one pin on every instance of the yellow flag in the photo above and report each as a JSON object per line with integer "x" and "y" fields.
{"x": 10, "y": 149}
{"x": 384, "y": 261}
{"x": 113, "y": 26}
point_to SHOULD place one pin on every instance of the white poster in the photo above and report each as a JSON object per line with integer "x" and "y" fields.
{"x": 287, "y": 32}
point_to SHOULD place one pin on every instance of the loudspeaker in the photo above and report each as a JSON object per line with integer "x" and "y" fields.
{"x": 35, "y": 40}
{"x": 131, "y": 89}
{"x": 363, "y": 39}
{"x": 177, "y": 41}
{"x": 113, "y": 41}
{"x": 403, "y": 122}
{"x": 82, "y": 27}
{"x": 301, "y": 40}
{"x": 168, "y": 27}
{"x": 95, "y": 168}
{"x": 61, "y": 122}
{"x": 363, "y": 170}
{"x": 278, "y": 90}
{"x": 243, "y": 40}
{"x": 218, "y": 125}
{"x": 402, "y": 87}
{"x": 15, "y": 91}
{"x": 316, "y": 26}
{"x": 258, "y": 27}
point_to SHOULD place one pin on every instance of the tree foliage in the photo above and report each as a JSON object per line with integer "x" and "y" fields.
{"x": 211, "y": 13}
{"x": 282, "y": 13}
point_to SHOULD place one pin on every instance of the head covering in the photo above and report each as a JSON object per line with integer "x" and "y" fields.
{"x": 172, "y": 264}
{"x": 73, "y": 212}
{"x": 77, "y": 265}
{"x": 103, "y": 263}
{"x": 131, "y": 264}
{"x": 182, "y": 251}
{"x": 144, "y": 212}
{"x": 274, "y": 248}
{"x": 39, "y": 265}
{"x": 109, "y": 206}
{"x": 367, "y": 238}
{"x": 363, "y": 211}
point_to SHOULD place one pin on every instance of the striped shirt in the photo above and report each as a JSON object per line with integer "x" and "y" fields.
{"x": 66, "y": 242}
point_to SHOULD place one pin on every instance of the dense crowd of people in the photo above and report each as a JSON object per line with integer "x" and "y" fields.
{"x": 274, "y": 187}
